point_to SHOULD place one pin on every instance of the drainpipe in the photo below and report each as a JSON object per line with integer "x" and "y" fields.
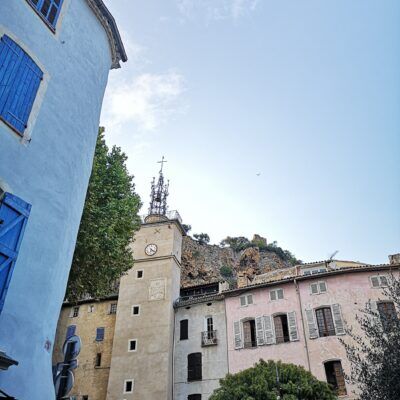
{"x": 173, "y": 353}
{"x": 226, "y": 335}
{"x": 303, "y": 324}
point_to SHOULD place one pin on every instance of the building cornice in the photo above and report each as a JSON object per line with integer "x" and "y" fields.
{"x": 152, "y": 258}
{"x": 108, "y": 22}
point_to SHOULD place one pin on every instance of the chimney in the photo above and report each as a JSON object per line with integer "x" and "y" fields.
{"x": 242, "y": 280}
{"x": 394, "y": 258}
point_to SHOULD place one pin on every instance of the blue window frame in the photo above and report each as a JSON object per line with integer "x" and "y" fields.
{"x": 70, "y": 331}
{"x": 99, "y": 334}
{"x": 49, "y": 10}
{"x": 19, "y": 82}
{"x": 14, "y": 214}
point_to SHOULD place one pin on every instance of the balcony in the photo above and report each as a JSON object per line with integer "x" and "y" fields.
{"x": 170, "y": 215}
{"x": 208, "y": 338}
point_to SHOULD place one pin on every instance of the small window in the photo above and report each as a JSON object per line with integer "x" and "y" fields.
{"x": 276, "y": 294}
{"x": 113, "y": 308}
{"x": 75, "y": 312}
{"x": 20, "y": 78}
{"x": 249, "y": 333}
{"x": 85, "y": 397}
{"x": 281, "y": 328}
{"x": 49, "y": 10}
{"x": 184, "y": 331}
{"x": 246, "y": 300}
{"x": 139, "y": 274}
{"x": 326, "y": 326}
{"x": 70, "y": 331}
{"x": 318, "y": 287}
{"x": 135, "y": 310}
{"x": 98, "y": 360}
{"x": 100, "y": 334}
{"x": 379, "y": 281}
{"x": 387, "y": 314}
{"x": 335, "y": 377}
{"x": 194, "y": 367}
{"x": 90, "y": 308}
{"x": 128, "y": 386}
{"x": 132, "y": 345}
{"x": 196, "y": 396}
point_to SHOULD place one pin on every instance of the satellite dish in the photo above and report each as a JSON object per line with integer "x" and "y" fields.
{"x": 64, "y": 382}
{"x": 71, "y": 348}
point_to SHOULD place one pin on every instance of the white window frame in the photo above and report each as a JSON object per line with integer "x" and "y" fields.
{"x": 318, "y": 283}
{"x": 379, "y": 277}
{"x": 137, "y": 272}
{"x": 246, "y": 300}
{"x": 116, "y": 306}
{"x": 132, "y": 313}
{"x": 71, "y": 315}
{"x": 276, "y": 294}
{"x": 129, "y": 345}
{"x": 90, "y": 308}
{"x": 133, "y": 385}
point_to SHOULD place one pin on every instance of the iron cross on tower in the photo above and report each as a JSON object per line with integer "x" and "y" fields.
{"x": 162, "y": 163}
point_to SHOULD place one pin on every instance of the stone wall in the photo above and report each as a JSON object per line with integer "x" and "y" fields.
{"x": 201, "y": 263}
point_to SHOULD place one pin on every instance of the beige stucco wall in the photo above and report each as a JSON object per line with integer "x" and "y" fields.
{"x": 150, "y": 366}
{"x": 89, "y": 380}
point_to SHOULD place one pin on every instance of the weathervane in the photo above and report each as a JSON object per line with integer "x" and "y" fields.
{"x": 159, "y": 193}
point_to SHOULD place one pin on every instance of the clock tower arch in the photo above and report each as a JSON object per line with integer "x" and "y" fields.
{"x": 145, "y": 305}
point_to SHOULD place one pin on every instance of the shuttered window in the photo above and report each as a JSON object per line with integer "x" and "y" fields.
{"x": 276, "y": 294}
{"x": 19, "y": 82}
{"x": 387, "y": 314}
{"x": 246, "y": 300}
{"x": 49, "y": 10}
{"x": 70, "y": 331}
{"x": 99, "y": 334}
{"x": 14, "y": 214}
{"x": 335, "y": 377}
{"x": 318, "y": 287}
{"x": 184, "y": 329}
{"x": 281, "y": 328}
{"x": 238, "y": 335}
{"x": 194, "y": 367}
{"x": 379, "y": 281}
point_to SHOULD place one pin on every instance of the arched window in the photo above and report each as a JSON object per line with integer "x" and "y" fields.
{"x": 335, "y": 376}
{"x": 281, "y": 328}
{"x": 249, "y": 333}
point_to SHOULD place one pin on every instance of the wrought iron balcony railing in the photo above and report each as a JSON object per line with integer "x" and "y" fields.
{"x": 209, "y": 338}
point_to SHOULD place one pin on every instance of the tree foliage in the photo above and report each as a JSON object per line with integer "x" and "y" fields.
{"x": 375, "y": 354}
{"x": 109, "y": 221}
{"x": 187, "y": 227}
{"x": 241, "y": 243}
{"x": 260, "y": 383}
{"x": 202, "y": 238}
{"x": 226, "y": 271}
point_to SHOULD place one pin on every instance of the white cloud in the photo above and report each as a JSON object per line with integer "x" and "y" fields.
{"x": 148, "y": 100}
{"x": 216, "y": 9}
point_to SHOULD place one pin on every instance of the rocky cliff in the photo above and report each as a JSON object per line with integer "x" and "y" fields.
{"x": 203, "y": 263}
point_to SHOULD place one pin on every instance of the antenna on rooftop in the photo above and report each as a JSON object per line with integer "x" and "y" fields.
{"x": 333, "y": 255}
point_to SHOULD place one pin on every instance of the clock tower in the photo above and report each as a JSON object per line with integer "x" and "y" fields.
{"x": 142, "y": 354}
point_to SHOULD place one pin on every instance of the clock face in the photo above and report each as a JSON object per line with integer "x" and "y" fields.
{"x": 151, "y": 249}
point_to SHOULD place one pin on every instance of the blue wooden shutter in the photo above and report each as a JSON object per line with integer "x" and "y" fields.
{"x": 14, "y": 214}
{"x": 70, "y": 331}
{"x": 19, "y": 82}
{"x": 99, "y": 334}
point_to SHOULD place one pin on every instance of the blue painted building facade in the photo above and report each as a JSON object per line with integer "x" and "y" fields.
{"x": 55, "y": 57}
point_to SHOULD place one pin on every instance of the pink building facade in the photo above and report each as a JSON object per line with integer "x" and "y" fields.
{"x": 300, "y": 319}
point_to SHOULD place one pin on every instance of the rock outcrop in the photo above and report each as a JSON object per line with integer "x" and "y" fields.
{"x": 202, "y": 263}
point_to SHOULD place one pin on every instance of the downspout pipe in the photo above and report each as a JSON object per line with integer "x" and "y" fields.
{"x": 303, "y": 323}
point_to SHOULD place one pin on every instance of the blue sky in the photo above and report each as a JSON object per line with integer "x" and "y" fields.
{"x": 306, "y": 93}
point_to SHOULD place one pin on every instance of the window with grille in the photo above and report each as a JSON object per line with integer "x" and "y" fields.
{"x": 184, "y": 331}
{"x": 326, "y": 326}
{"x": 335, "y": 377}
{"x": 49, "y": 10}
{"x": 113, "y": 308}
{"x": 276, "y": 294}
{"x": 99, "y": 334}
{"x": 379, "y": 281}
{"x": 194, "y": 367}
{"x": 387, "y": 313}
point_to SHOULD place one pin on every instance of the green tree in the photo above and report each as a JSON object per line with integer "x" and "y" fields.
{"x": 375, "y": 354}
{"x": 236, "y": 243}
{"x": 109, "y": 221}
{"x": 226, "y": 271}
{"x": 202, "y": 238}
{"x": 260, "y": 383}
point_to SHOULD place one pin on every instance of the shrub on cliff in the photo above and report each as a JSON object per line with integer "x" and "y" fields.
{"x": 202, "y": 238}
{"x": 272, "y": 381}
